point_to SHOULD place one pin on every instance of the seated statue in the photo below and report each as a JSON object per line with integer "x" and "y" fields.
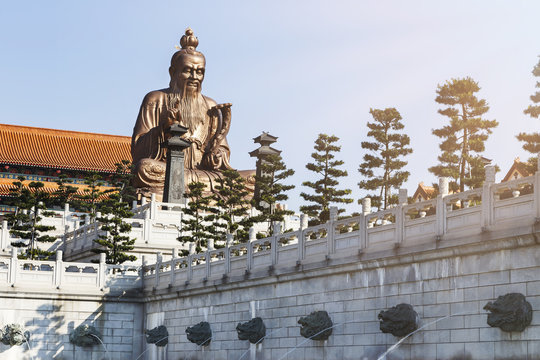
{"x": 182, "y": 102}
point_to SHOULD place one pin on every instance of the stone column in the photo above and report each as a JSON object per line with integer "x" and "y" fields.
{"x": 303, "y": 221}
{"x": 173, "y": 191}
{"x": 443, "y": 186}
{"x": 252, "y": 234}
{"x": 402, "y": 197}
{"x": 366, "y": 206}
{"x": 333, "y": 213}
{"x": 490, "y": 174}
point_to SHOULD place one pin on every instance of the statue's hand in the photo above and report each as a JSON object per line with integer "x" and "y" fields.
{"x": 171, "y": 116}
{"x": 225, "y": 110}
{"x": 212, "y": 160}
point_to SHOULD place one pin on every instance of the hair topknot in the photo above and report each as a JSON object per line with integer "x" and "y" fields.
{"x": 189, "y": 41}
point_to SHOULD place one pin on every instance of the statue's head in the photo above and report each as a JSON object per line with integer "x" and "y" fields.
{"x": 187, "y": 66}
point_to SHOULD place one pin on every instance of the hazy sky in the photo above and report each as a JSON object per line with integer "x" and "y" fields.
{"x": 292, "y": 68}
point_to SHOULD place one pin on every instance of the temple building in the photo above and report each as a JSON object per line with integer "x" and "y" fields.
{"x": 43, "y": 155}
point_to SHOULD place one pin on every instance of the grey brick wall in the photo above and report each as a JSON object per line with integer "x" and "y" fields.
{"x": 50, "y": 321}
{"x": 456, "y": 285}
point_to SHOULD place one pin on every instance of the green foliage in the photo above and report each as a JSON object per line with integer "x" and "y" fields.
{"x": 385, "y": 153}
{"x": 65, "y": 193}
{"x": 116, "y": 207}
{"x": 31, "y": 202}
{"x": 326, "y": 193}
{"x": 232, "y": 204}
{"x": 532, "y": 140}
{"x": 201, "y": 218}
{"x": 272, "y": 191}
{"x": 464, "y": 137}
{"x": 92, "y": 194}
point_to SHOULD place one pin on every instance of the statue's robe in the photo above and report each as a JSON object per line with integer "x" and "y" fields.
{"x": 149, "y": 153}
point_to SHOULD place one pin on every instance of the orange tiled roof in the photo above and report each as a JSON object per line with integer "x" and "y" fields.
{"x": 425, "y": 191}
{"x": 24, "y": 145}
{"x": 518, "y": 167}
{"x": 49, "y": 186}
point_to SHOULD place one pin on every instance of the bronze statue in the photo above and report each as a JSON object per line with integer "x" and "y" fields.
{"x": 182, "y": 102}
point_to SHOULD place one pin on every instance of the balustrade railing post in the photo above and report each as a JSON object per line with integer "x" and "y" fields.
{"x": 65, "y": 215}
{"x": 302, "y": 237}
{"x": 146, "y": 210}
{"x": 59, "y": 270}
{"x": 13, "y": 266}
{"x": 153, "y": 207}
{"x": 400, "y": 224}
{"x": 4, "y": 236}
{"x": 143, "y": 270}
{"x": 330, "y": 230}
{"x": 252, "y": 237}
{"x": 102, "y": 270}
{"x": 440, "y": 208}
{"x": 147, "y": 229}
{"x": 228, "y": 244}
{"x": 487, "y": 198}
{"x": 189, "y": 267}
{"x": 96, "y": 225}
{"x": 400, "y": 217}
{"x": 173, "y": 265}
{"x": 363, "y": 226}
{"x": 207, "y": 263}
{"x": 159, "y": 260}
{"x": 274, "y": 243}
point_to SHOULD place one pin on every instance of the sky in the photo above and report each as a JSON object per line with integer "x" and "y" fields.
{"x": 292, "y": 68}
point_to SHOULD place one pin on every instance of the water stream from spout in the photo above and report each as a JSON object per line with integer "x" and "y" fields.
{"x": 102, "y": 344}
{"x": 202, "y": 344}
{"x": 28, "y": 344}
{"x": 148, "y": 348}
{"x": 393, "y": 347}
{"x": 258, "y": 342}
{"x": 309, "y": 338}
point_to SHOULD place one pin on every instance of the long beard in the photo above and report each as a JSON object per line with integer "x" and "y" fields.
{"x": 192, "y": 106}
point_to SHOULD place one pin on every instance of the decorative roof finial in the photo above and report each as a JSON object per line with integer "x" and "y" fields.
{"x": 189, "y": 41}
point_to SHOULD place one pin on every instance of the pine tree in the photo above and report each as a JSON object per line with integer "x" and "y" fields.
{"x": 387, "y": 150}
{"x": 65, "y": 193}
{"x": 464, "y": 137}
{"x": 31, "y": 202}
{"x": 115, "y": 241}
{"x": 92, "y": 194}
{"x": 231, "y": 201}
{"x": 200, "y": 223}
{"x": 326, "y": 193}
{"x": 532, "y": 140}
{"x": 272, "y": 191}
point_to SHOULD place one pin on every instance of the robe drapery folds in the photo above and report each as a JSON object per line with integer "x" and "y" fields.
{"x": 149, "y": 152}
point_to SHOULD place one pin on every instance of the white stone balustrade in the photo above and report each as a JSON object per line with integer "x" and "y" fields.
{"x": 448, "y": 218}
{"x": 64, "y": 221}
{"x": 155, "y": 227}
{"x": 67, "y": 277}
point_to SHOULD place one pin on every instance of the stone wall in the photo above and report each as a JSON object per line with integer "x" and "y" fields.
{"x": 448, "y": 285}
{"x": 51, "y": 298}
{"x": 51, "y": 318}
